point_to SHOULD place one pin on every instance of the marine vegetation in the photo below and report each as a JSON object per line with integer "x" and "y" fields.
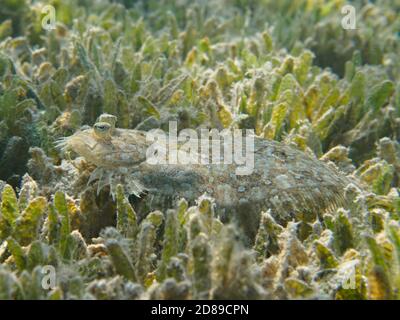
{"x": 78, "y": 200}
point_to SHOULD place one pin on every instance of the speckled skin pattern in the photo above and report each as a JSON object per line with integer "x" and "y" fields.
{"x": 287, "y": 181}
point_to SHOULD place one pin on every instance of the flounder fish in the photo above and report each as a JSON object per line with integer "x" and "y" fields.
{"x": 284, "y": 180}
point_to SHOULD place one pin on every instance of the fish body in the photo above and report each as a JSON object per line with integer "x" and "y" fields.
{"x": 284, "y": 180}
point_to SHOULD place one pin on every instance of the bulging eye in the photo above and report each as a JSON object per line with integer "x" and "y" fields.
{"x": 102, "y": 127}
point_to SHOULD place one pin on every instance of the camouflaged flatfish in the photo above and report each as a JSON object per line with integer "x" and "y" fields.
{"x": 284, "y": 179}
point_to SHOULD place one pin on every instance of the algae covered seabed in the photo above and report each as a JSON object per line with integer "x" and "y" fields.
{"x": 287, "y": 69}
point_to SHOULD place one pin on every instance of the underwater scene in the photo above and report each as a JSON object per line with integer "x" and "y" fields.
{"x": 199, "y": 150}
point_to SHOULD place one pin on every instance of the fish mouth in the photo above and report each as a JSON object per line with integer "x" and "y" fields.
{"x": 81, "y": 144}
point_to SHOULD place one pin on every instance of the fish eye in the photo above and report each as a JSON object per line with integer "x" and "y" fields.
{"x": 102, "y": 126}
